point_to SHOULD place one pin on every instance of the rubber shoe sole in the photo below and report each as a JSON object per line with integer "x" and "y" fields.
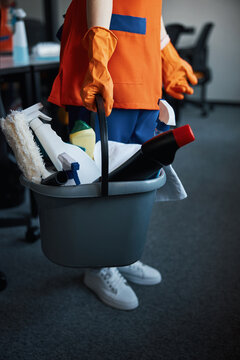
{"x": 141, "y": 281}
{"x": 111, "y": 301}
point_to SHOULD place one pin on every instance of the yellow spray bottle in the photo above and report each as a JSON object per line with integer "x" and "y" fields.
{"x": 84, "y": 136}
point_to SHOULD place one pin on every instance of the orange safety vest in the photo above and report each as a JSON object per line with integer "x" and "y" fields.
{"x": 135, "y": 66}
{"x": 6, "y": 36}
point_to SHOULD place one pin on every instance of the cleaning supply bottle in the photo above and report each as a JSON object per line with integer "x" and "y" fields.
{"x": 54, "y": 146}
{"x": 154, "y": 153}
{"x": 84, "y": 136}
{"x": 20, "y": 43}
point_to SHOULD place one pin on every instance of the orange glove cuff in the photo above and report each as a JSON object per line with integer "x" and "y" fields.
{"x": 100, "y": 44}
{"x": 170, "y": 57}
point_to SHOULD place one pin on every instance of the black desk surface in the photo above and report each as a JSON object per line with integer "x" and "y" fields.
{"x": 8, "y": 66}
{"x": 28, "y": 74}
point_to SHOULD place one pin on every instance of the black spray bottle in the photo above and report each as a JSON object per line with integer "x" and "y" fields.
{"x": 154, "y": 153}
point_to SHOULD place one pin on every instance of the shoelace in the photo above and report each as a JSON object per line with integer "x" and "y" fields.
{"x": 113, "y": 278}
{"x": 138, "y": 267}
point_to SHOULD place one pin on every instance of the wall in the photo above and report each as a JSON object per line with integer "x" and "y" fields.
{"x": 224, "y": 48}
{"x": 34, "y": 9}
{"x": 63, "y": 5}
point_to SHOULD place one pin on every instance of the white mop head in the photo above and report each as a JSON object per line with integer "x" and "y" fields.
{"x": 20, "y": 138}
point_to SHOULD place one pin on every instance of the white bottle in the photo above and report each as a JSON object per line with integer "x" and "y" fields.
{"x": 20, "y": 43}
{"x": 54, "y": 146}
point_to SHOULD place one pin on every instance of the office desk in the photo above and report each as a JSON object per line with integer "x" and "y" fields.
{"x": 37, "y": 67}
{"x": 28, "y": 75}
{"x": 10, "y": 72}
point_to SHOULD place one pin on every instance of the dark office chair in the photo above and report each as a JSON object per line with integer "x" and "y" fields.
{"x": 175, "y": 31}
{"x": 3, "y": 279}
{"x": 12, "y": 192}
{"x": 197, "y": 56}
{"x": 36, "y": 31}
{"x": 13, "y": 198}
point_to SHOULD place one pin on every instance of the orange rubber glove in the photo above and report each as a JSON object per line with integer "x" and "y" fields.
{"x": 100, "y": 43}
{"x": 176, "y": 73}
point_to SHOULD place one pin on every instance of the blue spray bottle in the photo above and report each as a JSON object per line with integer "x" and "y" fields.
{"x": 20, "y": 43}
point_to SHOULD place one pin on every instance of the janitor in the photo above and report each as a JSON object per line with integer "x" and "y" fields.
{"x": 121, "y": 50}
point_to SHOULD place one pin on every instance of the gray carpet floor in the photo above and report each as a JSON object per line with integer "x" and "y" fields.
{"x": 194, "y": 314}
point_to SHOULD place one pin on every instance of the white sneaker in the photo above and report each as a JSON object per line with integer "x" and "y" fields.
{"x": 141, "y": 274}
{"x": 111, "y": 288}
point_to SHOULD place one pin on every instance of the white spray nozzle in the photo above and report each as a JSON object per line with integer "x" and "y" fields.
{"x": 70, "y": 166}
{"x": 19, "y": 13}
{"x": 33, "y": 112}
{"x": 37, "y": 114}
{"x": 32, "y": 108}
{"x": 66, "y": 160}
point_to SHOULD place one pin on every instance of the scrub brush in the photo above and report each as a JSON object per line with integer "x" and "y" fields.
{"x": 20, "y": 138}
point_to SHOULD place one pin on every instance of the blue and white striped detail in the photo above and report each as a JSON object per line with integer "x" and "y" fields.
{"x": 2, "y": 38}
{"x": 131, "y": 24}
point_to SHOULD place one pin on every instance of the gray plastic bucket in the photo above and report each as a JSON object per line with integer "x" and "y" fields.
{"x": 81, "y": 228}
{"x": 99, "y": 224}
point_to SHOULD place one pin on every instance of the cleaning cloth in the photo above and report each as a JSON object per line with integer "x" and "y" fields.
{"x": 173, "y": 189}
{"x": 118, "y": 153}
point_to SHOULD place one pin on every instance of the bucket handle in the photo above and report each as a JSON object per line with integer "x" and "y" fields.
{"x": 104, "y": 142}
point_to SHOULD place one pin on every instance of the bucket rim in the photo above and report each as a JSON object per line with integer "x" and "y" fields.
{"x": 94, "y": 189}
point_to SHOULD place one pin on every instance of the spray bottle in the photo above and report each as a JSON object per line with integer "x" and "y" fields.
{"x": 153, "y": 155}
{"x": 54, "y": 146}
{"x": 20, "y": 43}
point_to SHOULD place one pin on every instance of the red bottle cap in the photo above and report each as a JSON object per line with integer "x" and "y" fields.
{"x": 183, "y": 135}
